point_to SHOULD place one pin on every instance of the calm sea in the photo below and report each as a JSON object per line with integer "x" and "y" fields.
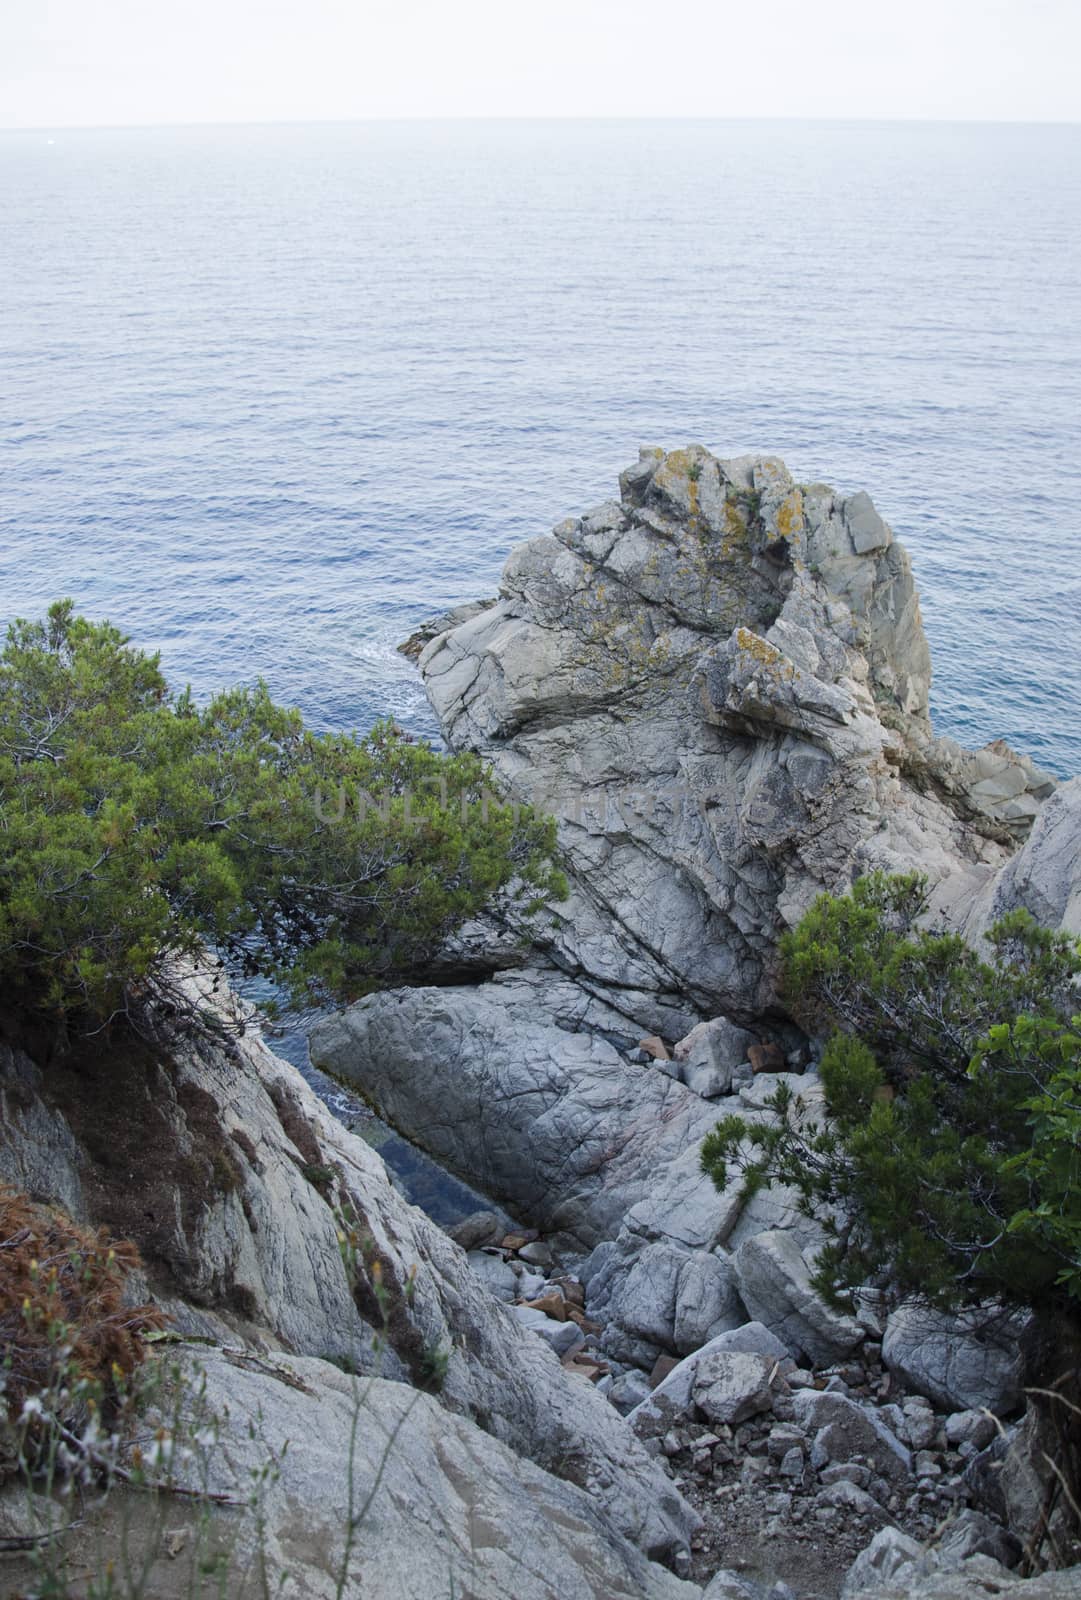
{"x": 269, "y": 396}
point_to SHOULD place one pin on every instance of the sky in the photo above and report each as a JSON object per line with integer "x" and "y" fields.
{"x": 72, "y": 63}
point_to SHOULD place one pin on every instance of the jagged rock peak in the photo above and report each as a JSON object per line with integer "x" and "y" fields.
{"x": 719, "y": 685}
{"x": 726, "y": 544}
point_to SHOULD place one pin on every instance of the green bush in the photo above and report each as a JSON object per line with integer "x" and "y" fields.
{"x": 136, "y": 827}
{"x": 950, "y": 1165}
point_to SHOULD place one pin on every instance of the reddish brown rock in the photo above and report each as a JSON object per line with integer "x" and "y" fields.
{"x": 552, "y": 1304}
{"x": 515, "y": 1241}
{"x": 766, "y": 1058}
{"x": 573, "y": 1292}
{"x": 655, "y": 1046}
{"x": 581, "y": 1366}
{"x": 661, "y": 1368}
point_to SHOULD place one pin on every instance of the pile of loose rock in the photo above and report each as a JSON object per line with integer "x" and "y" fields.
{"x": 520, "y": 1269}
{"x": 795, "y": 1471}
{"x": 795, "y": 1467}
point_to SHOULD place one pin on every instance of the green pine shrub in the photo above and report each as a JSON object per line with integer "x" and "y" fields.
{"x": 137, "y": 827}
{"x": 950, "y": 1163}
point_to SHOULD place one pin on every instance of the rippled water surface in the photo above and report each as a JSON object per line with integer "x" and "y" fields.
{"x": 271, "y": 395}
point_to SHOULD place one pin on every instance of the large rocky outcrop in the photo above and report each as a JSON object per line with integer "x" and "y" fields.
{"x": 1044, "y": 877}
{"x": 440, "y": 1507}
{"x": 217, "y": 1158}
{"x": 524, "y": 1086}
{"x": 719, "y": 684}
{"x": 524, "y": 1083}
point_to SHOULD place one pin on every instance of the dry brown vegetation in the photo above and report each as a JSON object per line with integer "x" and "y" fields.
{"x": 67, "y": 1335}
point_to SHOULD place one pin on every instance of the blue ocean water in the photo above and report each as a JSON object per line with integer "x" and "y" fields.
{"x": 270, "y": 396}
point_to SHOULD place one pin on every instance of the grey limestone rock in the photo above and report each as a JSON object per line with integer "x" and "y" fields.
{"x": 969, "y": 1360}
{"x": 38, "y": 1151}
{"x": 970, "y": 1427}
{"x": 971, "y": 1533}
{"x": 661, "y": 1297}
{"x": 493, "y": 1082}
{"x": 958, "y": 1567}
{"x": 731, "y": 1385}
{"x": 775, "y": 1286}
{"x": 562, "y": 1337}
{"x": 866, "y": 528}
{"x": 842, "y": 1428}
{"x": 981, "y": 1576}
{"x": 267, "y": 1241}
{"x": 629, "y": 1391}
{"x": 717, "y": 685}
{"x": 709, "y": 1055}
{"x": 727, "y": 1585}
{"x": 1044, "y": 877}
{"x": 445, "y": 1508}
{"x": 888, "y": 1556}
{"x": 673, "y": 1398}
{"x": 497, "y": 1275}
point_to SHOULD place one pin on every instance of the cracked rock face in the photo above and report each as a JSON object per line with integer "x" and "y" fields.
{"x": 234, "y": 1180}
{"x": 520, "y": 1084}
{"x": 442, "y": 1507}
{"x": 719, "y": 685}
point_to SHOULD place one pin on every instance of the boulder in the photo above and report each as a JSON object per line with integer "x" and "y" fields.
{"x": 727, "y": 1585}
{"x": 1016, "y": 1478}
{"x": 661, "y": 1298}
{"x": 479, "y": 1228}
{"x": 841, "y": 1428}
{"x": 729, "y": 1386}
{"x": 775, "y": 1286}
{"x": 562, "y": 1337}
{"x": 971, "y": 1533}
{"x": 920, "y": 1425}
{"x": 1044, "y": 877}
{"x": 888, "y": 1557}
{"x": 978, "y": 1578}
{"x": 848, "y": 1497}
{"x": 865, "y": 527}
{"x": 970, "y": 1360}
{"x": 709, "y": 1054}
{"x": 551, "y": 1302}
{"x": 970, "y": 1427}
{"x": 497, "y": 1275}
{"x": 672, "y": 1399}
{"x": 629, "y": 1391}
{"x": 896, "y": 1567}
{"x": 537, "y": 1253}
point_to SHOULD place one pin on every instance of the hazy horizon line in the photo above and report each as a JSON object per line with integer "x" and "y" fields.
{"x": 553, "y": 117}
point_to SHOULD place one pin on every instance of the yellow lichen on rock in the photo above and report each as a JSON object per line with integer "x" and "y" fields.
{"x": 759, "y": 649}
{"x": 789, "y": 517}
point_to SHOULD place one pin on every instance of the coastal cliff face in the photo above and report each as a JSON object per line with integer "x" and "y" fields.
{"x": 719, "y": 685}
{"x": 218, "y": 1160}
